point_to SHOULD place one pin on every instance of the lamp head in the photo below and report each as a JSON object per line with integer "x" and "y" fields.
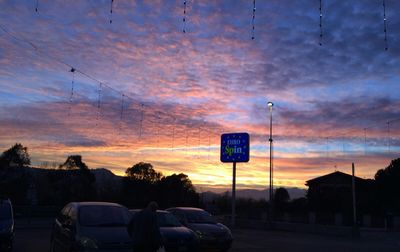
{"x": 270, "y": 104}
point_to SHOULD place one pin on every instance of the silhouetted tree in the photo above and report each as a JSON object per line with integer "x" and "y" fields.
{"x": 281, "y": 195}
{"x": 17, "y": 155}
{"x": 298, "y": 205}
{"x": 143, "y": 171}
{"x": 74, "y": 162}
{"x": 388, "y": 186}
{"x": 177, "y": 190}
{"x": 281, "y": 198}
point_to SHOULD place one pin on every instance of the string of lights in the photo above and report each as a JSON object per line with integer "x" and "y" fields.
{"x": 370, "y": 126}
{"x": 386, "y": 139}
{"x": 111, "y": 10}
{"x": 141, "y": 120}
{"x": 209, "y": 144}
{"x": 253, "y": 20}
{"x": 365, "y": 140}
{"x": 320, "y": 22}
{"x": 121, "y": 114}
{"x": 184, "y": 16}
{"x": 198, "y": 150}
{"x": 72, "y": 91}
{"x": 173, "y": 134}
{"x": 385, "y": 24}
{"x": 158, "y": 129}
{"x": 388, "y": 136}
{"x": 74, "y": 71}
{"x": 187, "y": 141}
{"x": 99, "y": 90}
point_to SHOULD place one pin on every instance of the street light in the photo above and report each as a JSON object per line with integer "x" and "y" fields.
{"x": 271, "y": 184}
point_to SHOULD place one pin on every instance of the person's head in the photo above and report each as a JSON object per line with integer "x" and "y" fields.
{"x": 152, "y": 206}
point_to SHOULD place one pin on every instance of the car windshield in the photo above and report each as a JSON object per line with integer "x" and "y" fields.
{"x": 5, "y": 211}
{"x": 199, "y": 217}
{"x": 167, "y": 220}
{"x": 103, "y": 216}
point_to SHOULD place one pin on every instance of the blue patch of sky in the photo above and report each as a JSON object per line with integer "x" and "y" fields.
{"x": 338, "y": 92}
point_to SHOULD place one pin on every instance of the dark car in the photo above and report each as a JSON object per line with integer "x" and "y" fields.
{"x": 212, "y": 235}
{"x": 6, "y": 225}
{"x": 176, "y": 237}
{"x": 91, "y": 226}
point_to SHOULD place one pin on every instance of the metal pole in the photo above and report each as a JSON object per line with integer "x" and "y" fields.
{"x": 233, "y": 195}
{"x": 356, "y": 231}
{"x": 271, "y": 184}
{"x": 354, "y": 195}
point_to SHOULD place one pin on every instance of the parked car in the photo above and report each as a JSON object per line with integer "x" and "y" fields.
{"x": 212, "y": 235}
{"x": 176, "y": 237}
{"x": 91, "y": 226}
{"x": 6, "y": 225}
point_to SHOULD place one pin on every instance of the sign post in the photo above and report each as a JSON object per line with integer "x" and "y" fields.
{"x": 233, "y": 195}
{"x": 235, "y": 147}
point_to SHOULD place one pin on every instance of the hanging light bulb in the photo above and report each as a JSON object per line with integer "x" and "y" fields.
{"x": 253, "y": 20}
{"x": 111, "y": 11}
{"x": 184, "y": 16}
{"x": 320, "y": 22}
{"x": 385, "y": 24}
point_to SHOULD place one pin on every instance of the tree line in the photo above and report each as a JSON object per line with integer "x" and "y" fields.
{"x": 74, "y": 181}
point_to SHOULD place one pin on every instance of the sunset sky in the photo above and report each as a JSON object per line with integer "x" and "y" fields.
{"x": 143, "y": 90}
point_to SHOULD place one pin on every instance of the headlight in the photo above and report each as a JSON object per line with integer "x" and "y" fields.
{"x": 87, "y": 243}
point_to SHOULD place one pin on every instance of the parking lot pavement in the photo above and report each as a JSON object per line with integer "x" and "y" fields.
{"x": 250, "y": 241}
{"x": 26, "y": 240}
{"x": 260, "y": 240}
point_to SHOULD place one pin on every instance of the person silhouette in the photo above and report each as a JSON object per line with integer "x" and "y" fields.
{"x": 144, "y": 229}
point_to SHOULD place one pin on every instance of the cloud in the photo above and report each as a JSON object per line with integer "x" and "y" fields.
{"x": 144, "y": 90}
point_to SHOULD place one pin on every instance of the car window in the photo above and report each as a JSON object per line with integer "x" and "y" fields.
{"x": 64, "y": 213}
{"x": 72, "y": 214}
{"x": 167, "y": 220}
{"x": 5, "y": 211}
{"x": 103, "y": 216}
{"x": 199, "y": 217}
{"x": 180, "y": 216}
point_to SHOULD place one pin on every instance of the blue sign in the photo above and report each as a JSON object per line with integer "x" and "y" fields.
{"x": 235, "y": 147}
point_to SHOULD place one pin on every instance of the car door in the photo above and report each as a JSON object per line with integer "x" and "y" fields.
{"x": 69, "y": 229}
{"x": 57, "y": 243}
{"x": 64, "y": 230}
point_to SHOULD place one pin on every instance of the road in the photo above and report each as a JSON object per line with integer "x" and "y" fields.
{"x": 257, "y": 240}
{"x": 252, "y": 241}
{"x": 27, "y": 240}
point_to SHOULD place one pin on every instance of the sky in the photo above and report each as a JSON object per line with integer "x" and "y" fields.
{"x": 150, "y": 83}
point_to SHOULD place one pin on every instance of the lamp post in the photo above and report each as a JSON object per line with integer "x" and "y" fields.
{"x": 271, "y": 183}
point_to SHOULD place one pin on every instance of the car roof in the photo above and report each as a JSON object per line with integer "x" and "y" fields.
{"x": 135, "y": 210}
{"x": 186, "y": 209}
{"x": 94, "y": 203}
{"x": 5, "y": 200}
